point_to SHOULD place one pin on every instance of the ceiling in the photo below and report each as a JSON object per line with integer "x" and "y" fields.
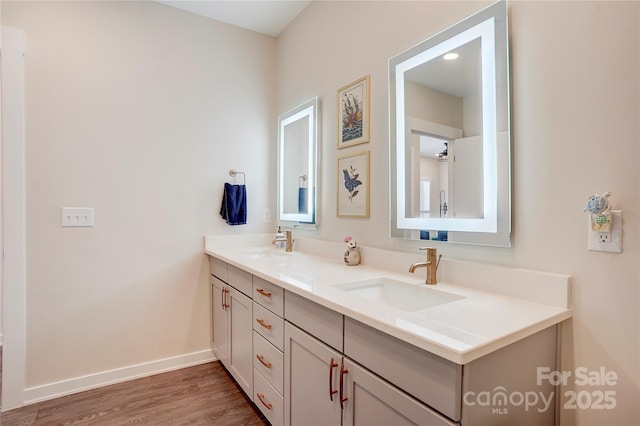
{"x": 268, "y": 17}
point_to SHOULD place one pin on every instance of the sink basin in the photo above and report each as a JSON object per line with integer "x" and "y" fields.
{"x": 398, "y": 294}
{"x": 263, "y": 253}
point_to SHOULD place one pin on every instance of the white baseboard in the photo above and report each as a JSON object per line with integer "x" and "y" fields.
{"x": 118, "y": 375}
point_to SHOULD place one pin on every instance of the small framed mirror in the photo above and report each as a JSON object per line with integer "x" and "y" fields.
{"x": 449, "y": 134}
{"x": 297, "y": 166}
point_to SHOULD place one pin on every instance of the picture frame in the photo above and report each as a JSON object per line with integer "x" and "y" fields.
{"x": 353, "y": 185}
{"x": 353, "y": 113}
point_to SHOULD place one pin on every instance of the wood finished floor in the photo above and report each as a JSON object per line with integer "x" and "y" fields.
{"x": 200, "y": 395}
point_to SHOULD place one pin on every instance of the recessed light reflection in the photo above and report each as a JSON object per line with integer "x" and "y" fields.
{"x": 450, "y": 56}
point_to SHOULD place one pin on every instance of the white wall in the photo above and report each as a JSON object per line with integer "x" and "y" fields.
{"x": 139, "y": 111}
{"x": 575, "y": 106}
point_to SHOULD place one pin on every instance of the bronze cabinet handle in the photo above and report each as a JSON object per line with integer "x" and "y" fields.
{"x": 263, "y": 292}
{"x": 332, "y": 365}
{"x": 343, "y": 372}
{"x": 262, "y": 361}
{"x": 225, "y": 305}
{"x": 264, "y": 324}
{"x": 265, "y": 403}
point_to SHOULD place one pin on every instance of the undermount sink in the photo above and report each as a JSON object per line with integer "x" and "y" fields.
{"x": 263, "y": 253}
{"x": 398, "y": 294}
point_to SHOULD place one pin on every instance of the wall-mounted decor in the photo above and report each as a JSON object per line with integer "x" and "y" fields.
{"x": 353, "y": 113}
{"x": 353, "y": 185}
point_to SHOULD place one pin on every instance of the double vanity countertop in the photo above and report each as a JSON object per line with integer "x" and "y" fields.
{"x": 474, "y": 309}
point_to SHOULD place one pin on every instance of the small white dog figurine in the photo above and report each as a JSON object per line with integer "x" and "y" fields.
{"x": 352, "y": 255}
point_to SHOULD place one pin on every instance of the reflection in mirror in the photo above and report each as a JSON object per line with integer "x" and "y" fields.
{"x": 297, "y": 166}
{"x": 449, "y": 122}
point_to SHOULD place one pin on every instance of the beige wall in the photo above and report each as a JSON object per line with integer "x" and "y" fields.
{"x": 139, "y": 111}
{"x": 135, "y": 109}
{"x": 575, "y": 132}
{"x": 1, "y": 327}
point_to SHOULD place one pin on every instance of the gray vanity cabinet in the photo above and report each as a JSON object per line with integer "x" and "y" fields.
{"x": 312, "y": 378}
{"x": 428, "y": 377}
{"x": 491, "y": 390}
{"x": 312, "y": 360}
{"x": 373, "y": 401}
{"x": 303, "y": 363}
{"x": 268, "y": 357}
{"x": 325, "y": 387}
{"x": 220, "y": 320}
{"x": 232, "y": 331}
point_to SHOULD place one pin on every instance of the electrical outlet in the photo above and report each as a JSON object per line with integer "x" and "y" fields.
{"x": 77, "y": 216}
{"x": 606, "y": 241}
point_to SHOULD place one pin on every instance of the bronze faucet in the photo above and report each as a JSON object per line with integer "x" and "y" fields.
{"x": 430, "y": 264}
{"x": 289, "y": 246}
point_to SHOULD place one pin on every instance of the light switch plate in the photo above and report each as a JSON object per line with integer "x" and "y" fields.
{"x": 266, "y": 215}
{"x": 77, "y": 216}
{"x": 606, "y": 241}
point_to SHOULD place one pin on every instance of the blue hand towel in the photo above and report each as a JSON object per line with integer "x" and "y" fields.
{"x": 234, "y": 204}
{"x": 302, "y": 200}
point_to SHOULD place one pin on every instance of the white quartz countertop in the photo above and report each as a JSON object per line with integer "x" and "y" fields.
{"x": 475, "y": 324}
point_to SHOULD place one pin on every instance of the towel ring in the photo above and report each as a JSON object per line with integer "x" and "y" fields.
{"x": 234, "y": 172}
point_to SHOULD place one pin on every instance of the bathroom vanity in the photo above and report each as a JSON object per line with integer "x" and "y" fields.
{"x": 312, "y": 341}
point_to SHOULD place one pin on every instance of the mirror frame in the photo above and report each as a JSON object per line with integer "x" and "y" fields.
{"x": 308, "y": 220}
{"x": 490, "y": 25}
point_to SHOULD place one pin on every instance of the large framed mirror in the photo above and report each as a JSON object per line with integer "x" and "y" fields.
{"x": 450, "y": 134}
{"x": 297, "y": 166}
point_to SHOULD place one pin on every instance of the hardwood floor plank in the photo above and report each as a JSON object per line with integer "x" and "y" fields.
{"x": 200, "y": 395}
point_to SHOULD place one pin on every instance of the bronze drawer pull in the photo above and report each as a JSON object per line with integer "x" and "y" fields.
{"x": 264, "y": 324}
{"x": 263, "y": 292}
{"x": 262, "y": 361}
{"x": 261, "y": 398}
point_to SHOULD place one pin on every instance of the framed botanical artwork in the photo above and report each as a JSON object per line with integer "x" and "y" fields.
{"x": 353, "y": 113}
{"x": 353, "y": 185}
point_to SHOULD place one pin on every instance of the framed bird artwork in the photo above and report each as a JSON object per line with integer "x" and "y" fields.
{"x": 353, "y": 185}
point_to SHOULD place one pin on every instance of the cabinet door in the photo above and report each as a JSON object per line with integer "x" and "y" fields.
{"x": 240, "y": 362}
{"x": 373, "y": 401}
{"x": 219, "y": 328}
{"x": 311, "y": 377}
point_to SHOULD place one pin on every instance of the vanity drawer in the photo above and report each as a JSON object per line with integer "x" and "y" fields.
{"x": 268, "y": 295}
{"x": 429, "y": 378}
{"x": 268, "y": 361}
{"x": 240, "y": 279}
{"x": 268, "y": 400}
{"x": 320, "y": 322}
{"x": 268, "y": 325}
{"x": 218, "y": 268}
